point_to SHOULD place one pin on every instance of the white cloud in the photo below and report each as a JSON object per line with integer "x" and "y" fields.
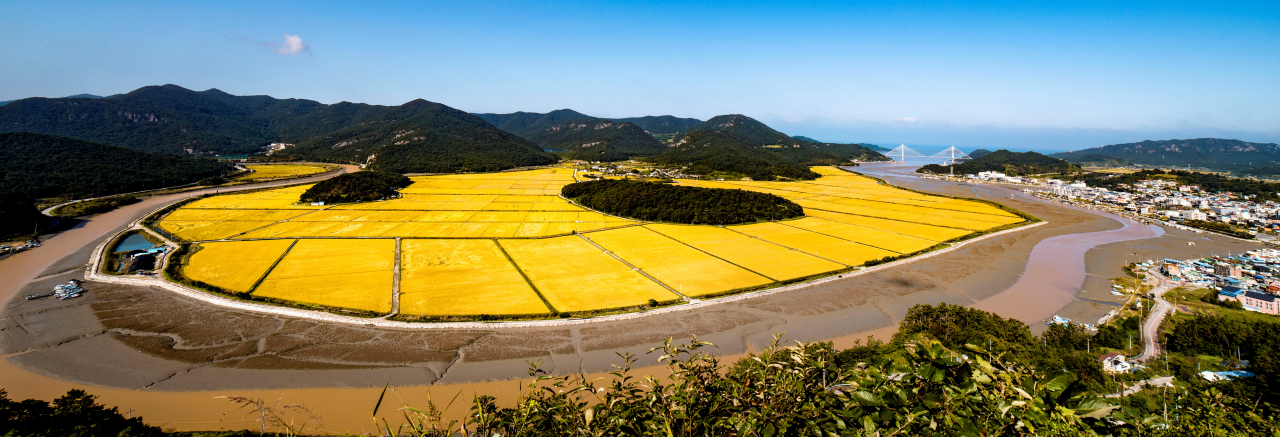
{"x": 292, "y": 45}
{"x": 907, "y": 119}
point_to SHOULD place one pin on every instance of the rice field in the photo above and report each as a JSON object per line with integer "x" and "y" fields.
{"x": 506, "y": 244}
{"x": 272, "y": 172}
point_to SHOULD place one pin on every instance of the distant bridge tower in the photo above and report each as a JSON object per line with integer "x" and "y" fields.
{"x": 953, "y": 157}
{"x": 902, "y": 153}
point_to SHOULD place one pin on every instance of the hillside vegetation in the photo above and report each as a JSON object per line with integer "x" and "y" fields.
{"x": 662, "y": 124}
{"x": 654, "y": 201}
{"x": 1010, "y": 163}
{"x": 1212, "y": 153}
{"x": 173, "y": 120}
{"x": 36, "y": 166}
{"x": 706, "y": 152}
{"x": 362, "y": 186}
{"x": 1093, "y": 160}
{"x": 526, "y": 124}
{"x": 595, "y": 139}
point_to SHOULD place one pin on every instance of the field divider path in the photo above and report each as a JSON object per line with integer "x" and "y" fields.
{"x": 896, "y": 220}
{"x": 711, "y": 254}
{"x": 526, "y": 277}
{"x": 792, "y": 248}
{"x": 851, "y": 241}
{"x": 395, "y": 283}
{"x": 637, "y": 269}
{"x": 255, "y": 285}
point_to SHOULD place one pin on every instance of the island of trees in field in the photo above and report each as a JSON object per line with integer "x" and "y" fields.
{"x": 363, "y": 186}
{"x": 1004, "y": 161}
{"x": 656, "y": 201}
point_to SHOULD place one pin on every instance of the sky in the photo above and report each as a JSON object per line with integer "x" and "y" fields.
{"x": 1046, "y": 76}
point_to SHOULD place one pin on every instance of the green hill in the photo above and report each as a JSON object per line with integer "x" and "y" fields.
{"x": 711, "y": 152}
{"x": 1010, "y": 163}
{"x": 173, "y": 120}
{"x": 662, "y": 124}
{"x": 526, "y": 124}
{"x": 597, "y": 139}
{"x": 1093, "y": 160}
{"x": 1213, "y": 153}
{"x": 34, "y": 166}
{"x": 422, "y": 137}
{"x": 979, "y": 153}
{"x": 749, "y": 130}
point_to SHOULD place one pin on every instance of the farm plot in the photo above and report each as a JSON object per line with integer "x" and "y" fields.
{"x": 462, "y": 277}
{"x": 271, "y": 172}
{"x": 828, "y": 247}
{"x": 339, "y": 273}
{"x": 681, "y": 267}
{"x": 234, "y": 266}
{"x": 762, "y": 257}
{"x": 576, "y": 276}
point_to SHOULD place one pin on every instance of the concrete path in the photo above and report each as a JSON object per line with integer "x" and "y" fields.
{"x": 1151, "y": 325}
{"x": 1140, "y": 385}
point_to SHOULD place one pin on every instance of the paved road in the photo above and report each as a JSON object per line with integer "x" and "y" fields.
{"x": 1151, "y": 325}
{"x": 1137, "y": 387}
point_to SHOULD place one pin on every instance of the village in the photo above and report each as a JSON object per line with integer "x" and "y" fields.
{"x": 1155, "y": 201}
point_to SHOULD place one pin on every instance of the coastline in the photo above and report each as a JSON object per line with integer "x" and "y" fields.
{"x": 149, "y": 343}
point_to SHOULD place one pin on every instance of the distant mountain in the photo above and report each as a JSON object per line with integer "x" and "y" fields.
{"x": 525, "y": 124}
{"x": 750, "y": 130}
{"x": 979, "y": 153}
{"x": 596, "y": 139}
{"x": 174, "y": 120}
{"x": 1010, "y": 163}
{"x": 1093, "y": 160}
{"x": 802, "y": 138}
{"x": 1211, "y": 153}
{"x": 662, "y": 124}
{"x": 77, "y": 96}
{"x": 711, "y": 152}
{"x": 874, "y": 147}
{"x": 422, "y": 137}
{"x": 34, "y": 166}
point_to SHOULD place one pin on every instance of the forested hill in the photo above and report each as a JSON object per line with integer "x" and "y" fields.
{"x": 1092, "y": 160}
{"x": 979, "y": 153}
{"x": 77, "y": 96}
{"x": 710, "y": 152}
{"x": 662, "y": 124}
{"x": 34, "y": 166}
{"x": 526, "y": 124}
{"x": 1010, "y": 163}
{"x": 750, "y": 130}
{"x": 595, "y": 139}
{"x": 1211, "y": 153}
{"x": 423, "y": 137}
{"x": 174, "y": 120}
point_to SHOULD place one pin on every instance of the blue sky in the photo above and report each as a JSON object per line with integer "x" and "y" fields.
{"x": 1021, "y": 75}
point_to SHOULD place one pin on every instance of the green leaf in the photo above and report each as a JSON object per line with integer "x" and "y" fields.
{"x": 867, "y": 399}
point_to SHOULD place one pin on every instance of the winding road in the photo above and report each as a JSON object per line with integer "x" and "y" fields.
{"x": 1151, "y": 326}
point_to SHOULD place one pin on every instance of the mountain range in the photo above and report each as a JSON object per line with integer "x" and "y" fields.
{"x": 418, "y": 136}
{"x": 597, "y": 139}
{"x": 1010, "y": 163}
{"x": 1212, "y": 153}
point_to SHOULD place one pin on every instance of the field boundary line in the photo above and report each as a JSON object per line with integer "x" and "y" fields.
{"x": 635, "y": 268}
{"x": 851, "y": 241}
{"x": 395, "y": 283}
{"x": 523, "y": 275}
{"x": 712, "y": 255}
{"x": 255, "y": 285}
{"x": 883, "y": 201}
{"x": 788, "y": 247}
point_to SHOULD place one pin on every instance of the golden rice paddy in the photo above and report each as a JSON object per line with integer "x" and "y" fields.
{"x": 272, "y": 172}
{"x": 505, "y": 244}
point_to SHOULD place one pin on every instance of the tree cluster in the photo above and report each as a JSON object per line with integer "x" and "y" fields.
{"x": 655, "y": 201}
{"x": 363, "y": 186}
